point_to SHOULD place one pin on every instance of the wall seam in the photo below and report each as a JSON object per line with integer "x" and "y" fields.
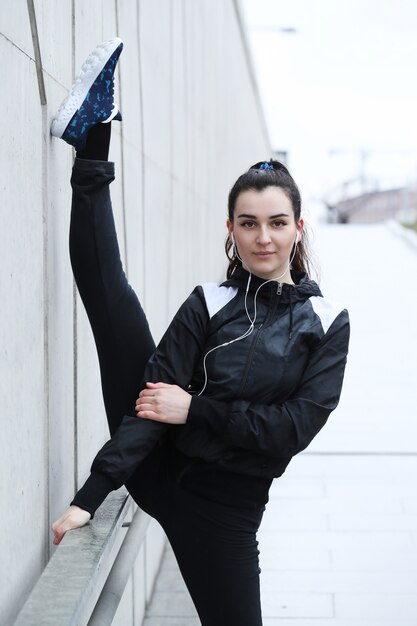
{"x": 43, "y": 101}
{"x": 142, "y": 140}
{"x": 42, "y": 98}
{"x": 171, "y": 277}
{"x": 122, "y": 156}
{"x": 74, "y": 301}
{"x": 36, "y": 50}
{"x": 251, "y": 69}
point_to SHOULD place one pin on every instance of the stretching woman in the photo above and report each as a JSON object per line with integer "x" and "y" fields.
{"x": 243, "y": 379}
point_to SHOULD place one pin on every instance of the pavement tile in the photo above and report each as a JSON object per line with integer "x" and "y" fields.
{"x": 296, "y": 605}
{"x": 276, "y": 520}
{"x": 375, "y": 606}
{"x": 170, "y": 580}
{"x": 333, "y": 622}
{"x": 309, "y": 540}
{"x": 331, "y": 581}
{"x": 409, "y": 504}
{"x": 386, "y": 560}
{"x": 169, "y": 604}
{"x": 276, "y": 559}
{"x": 367, "y": 521}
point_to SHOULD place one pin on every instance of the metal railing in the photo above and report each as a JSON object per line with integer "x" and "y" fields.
{"x": 84, "y": 580}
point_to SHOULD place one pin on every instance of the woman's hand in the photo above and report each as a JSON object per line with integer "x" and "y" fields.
{"x": 163, "y": 403}
{"x": 74, "y": 517}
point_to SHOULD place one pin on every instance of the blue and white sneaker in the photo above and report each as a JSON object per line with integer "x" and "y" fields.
{"x": 91, "y": 98}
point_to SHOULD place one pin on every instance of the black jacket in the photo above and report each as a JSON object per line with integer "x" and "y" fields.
{"x": 266, "y": 396}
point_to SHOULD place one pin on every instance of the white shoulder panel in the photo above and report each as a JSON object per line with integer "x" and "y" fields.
{"x": 217, "y": 297}
{"x": 327, "y": 310}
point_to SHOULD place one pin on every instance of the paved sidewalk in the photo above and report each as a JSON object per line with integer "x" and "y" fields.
{"x": 338, "y": 547}
{"x": 339, "y": 537}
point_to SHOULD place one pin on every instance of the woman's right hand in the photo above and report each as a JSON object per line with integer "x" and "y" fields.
{"x": 74, "y": 517}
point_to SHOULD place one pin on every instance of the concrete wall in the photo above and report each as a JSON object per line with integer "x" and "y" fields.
{"x": 192, "y": 123}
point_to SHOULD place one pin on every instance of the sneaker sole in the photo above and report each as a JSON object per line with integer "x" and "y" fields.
{"x": 90, "y": 69}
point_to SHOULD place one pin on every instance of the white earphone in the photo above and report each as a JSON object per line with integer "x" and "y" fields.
{"x": 251, "y": 320}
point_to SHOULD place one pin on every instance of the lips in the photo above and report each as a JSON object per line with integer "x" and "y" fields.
{"x": 263, "y": 254}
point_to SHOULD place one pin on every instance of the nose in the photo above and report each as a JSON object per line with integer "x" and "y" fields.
{"x": 264, "y": 237}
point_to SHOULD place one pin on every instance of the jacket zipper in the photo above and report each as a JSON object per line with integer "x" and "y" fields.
{"x": 249, "y": 359}
{"x": 271, "y": 314}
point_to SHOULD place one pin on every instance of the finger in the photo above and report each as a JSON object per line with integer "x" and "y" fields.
{"x": 147, "y": 393}
{"x": 146, "y": 407}
{"x": 158, "y": 385}
{"x": 150, "y": 415}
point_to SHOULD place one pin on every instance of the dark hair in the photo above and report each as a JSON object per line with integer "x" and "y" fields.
{"x": 257, "y": 178}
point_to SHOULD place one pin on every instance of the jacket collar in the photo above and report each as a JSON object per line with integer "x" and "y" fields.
{"x": 302, "y": 289}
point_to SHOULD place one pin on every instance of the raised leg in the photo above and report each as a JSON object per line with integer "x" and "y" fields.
{"x": 121, "y": 331}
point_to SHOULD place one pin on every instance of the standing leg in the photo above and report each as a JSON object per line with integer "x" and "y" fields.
{"x": 215, "y": 544}
{"x": 121, "y": 331}
{"x": 217, "y": 552}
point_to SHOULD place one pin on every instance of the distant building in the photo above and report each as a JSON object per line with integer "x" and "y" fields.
{"x": 375, "y": 206}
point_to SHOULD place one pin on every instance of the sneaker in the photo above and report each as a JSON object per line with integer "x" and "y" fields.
{"x": 91, "y": 98}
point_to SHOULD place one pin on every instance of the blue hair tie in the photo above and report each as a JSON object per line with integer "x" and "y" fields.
{"x": 266, "y": 166}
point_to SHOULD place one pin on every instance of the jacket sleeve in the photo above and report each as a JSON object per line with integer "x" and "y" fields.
{"x": 284, "y": 429}
{"x": 174, "y": 362}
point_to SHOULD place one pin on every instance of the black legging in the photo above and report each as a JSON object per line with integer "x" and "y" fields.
{"x": 214, "y": 542}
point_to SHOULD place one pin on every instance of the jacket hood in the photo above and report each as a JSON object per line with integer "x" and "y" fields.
{"x": 302, "y": 289}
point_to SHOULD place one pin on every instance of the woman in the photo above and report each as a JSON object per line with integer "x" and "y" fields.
{"x": 244, "y": 378}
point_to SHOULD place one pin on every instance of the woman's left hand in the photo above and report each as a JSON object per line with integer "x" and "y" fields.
{"x": 163, "y": 403}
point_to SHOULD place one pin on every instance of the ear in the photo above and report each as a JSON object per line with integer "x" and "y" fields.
{"x": 300, "y": 227}
{"x": 229, "y": 225}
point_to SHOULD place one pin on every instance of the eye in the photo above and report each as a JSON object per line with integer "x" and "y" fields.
{"x": 278, "y": 224}
{"x": 248, "y": 224}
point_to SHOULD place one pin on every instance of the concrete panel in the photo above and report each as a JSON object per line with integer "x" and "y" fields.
{"x": 157, "y": 210}
{"x": 53, "y": 21}
{"x": 92, "y": 430}
{"x": 181, "y": 243}
{"x": 130, "y": 164}
{"x": 125, "y": 610}
{"x": 154, "y": 548}
{"x": 156, "y": 80}
{"x": 15, "y": 25}
{"x": 179, "y": 106}
{"x": 60, "y": 316}
{"x": 139, "y": 587}
{"x": 94, "y": 21}
{"x": 23, "y": 512}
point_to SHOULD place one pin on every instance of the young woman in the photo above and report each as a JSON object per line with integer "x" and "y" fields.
{"x": 245, "y": 376}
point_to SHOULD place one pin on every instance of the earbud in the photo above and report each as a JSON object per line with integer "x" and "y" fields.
{"x": 236, "y": 253}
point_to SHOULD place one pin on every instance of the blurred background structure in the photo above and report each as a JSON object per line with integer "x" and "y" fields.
{"x": 336, "y": 82}
{"x": 337, "y": 102}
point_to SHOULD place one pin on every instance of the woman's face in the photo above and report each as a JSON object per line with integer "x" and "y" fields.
{"x": 265, "y": 231}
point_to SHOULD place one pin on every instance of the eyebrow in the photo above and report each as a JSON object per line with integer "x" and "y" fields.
{"x": 271, "y": 217}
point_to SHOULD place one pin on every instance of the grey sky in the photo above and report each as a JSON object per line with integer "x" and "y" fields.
{"x": 346, "y": 80}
